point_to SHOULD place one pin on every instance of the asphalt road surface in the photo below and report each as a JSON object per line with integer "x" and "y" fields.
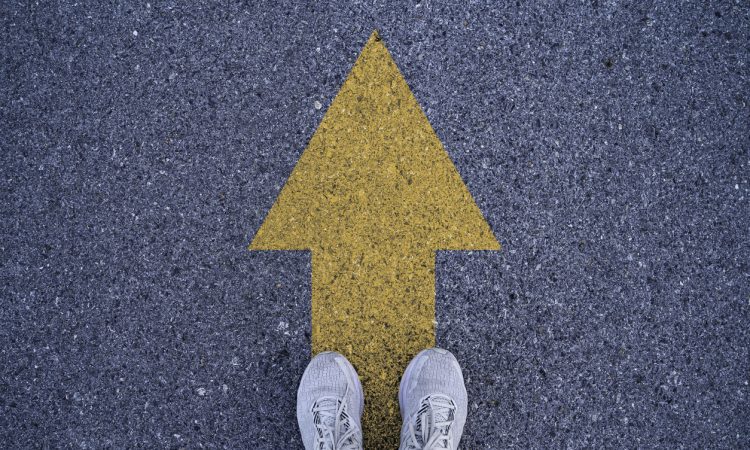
{"x": 605, "y": 142}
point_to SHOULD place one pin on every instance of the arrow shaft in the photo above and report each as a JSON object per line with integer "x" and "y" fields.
{"x": 377, "y": 308}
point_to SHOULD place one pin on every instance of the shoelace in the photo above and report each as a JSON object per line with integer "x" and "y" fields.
{"x": 336, "y": 430}
{"x": 429, "y": 427}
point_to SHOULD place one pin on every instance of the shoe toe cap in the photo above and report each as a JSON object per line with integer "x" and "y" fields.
{"x": 435, "y": 371}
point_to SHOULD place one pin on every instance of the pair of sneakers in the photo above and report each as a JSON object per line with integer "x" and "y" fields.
{"x": 432, "y": 397}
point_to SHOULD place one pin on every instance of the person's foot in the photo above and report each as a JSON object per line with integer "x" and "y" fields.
{"x": 329, "y": 404}
{"x": 433, "y": 402}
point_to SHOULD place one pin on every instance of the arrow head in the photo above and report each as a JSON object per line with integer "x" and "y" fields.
{"x": 375, "y": 174}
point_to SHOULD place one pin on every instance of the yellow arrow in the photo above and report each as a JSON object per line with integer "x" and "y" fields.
{"x": 373, "y": 197}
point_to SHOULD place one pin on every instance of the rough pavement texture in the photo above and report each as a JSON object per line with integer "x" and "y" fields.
{"x": 141, "y": 146}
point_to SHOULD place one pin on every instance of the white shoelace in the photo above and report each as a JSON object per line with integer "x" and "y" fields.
{"x": 429, "y": 427}
{"x": 336, "y": 430}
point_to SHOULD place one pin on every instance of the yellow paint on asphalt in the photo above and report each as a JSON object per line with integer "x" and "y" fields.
{"x": 373, "y": 197}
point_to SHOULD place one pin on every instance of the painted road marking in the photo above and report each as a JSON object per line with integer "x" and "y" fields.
{"x": 373, "y": 197}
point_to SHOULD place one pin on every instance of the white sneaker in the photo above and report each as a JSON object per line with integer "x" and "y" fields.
{"x": 329, "y": 404}
{"x": 433, "y": 402}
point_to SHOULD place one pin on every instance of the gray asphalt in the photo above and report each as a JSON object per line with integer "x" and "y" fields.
{"x": 606, "y": 143}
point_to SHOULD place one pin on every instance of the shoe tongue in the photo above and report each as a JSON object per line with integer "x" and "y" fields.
{"x": 331, "y": 406}
{"x": 440, "y": 408}
{"x": 441, "y": 414}
{"x": 432, "y": 412}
